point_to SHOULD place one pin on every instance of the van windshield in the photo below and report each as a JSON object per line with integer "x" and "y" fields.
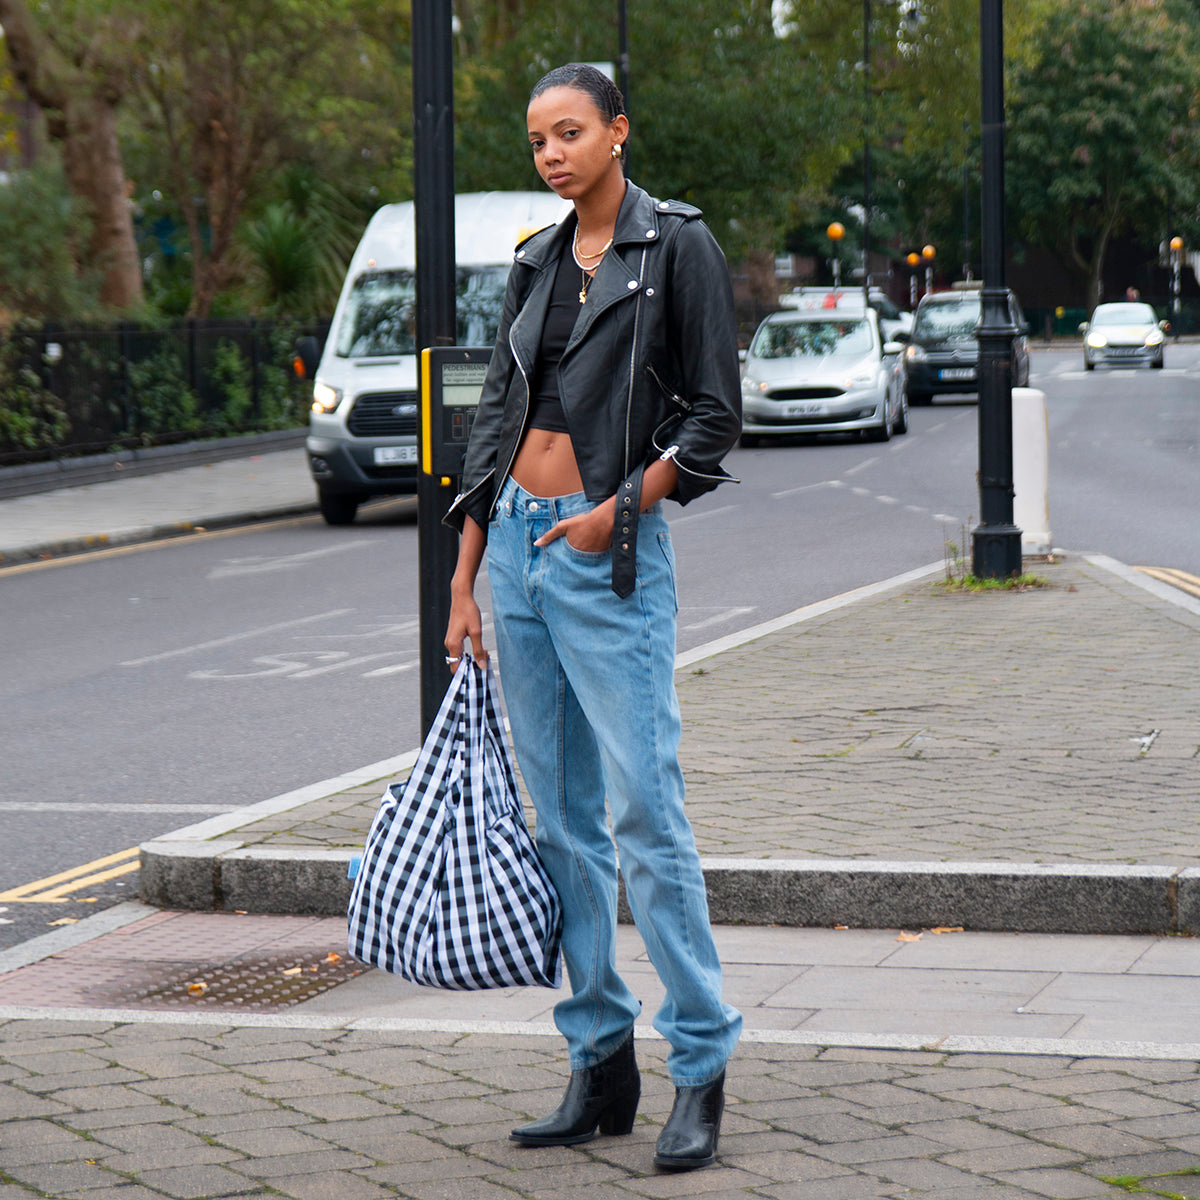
{"x": 380, "y": 318}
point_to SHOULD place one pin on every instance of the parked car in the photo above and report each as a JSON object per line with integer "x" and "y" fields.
{"x": 823, "y": 368}
{"x": 943, "y": 354}
{"x": 1127, "y": 332}
{"x": 362, "y": 435}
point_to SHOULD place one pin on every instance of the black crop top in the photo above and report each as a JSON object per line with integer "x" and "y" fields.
{"x": 545, "y": 409}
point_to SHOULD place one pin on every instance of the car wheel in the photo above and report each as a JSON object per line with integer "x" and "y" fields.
{"x": 918, "y": 398}
{"x": 1088, "y": 365}
{"x": 883, "y": 431}
{"x": 338, "y": 508}
{"x": 749, "y": 440}
{"x": 1157, "y": 363}
{"x": 902, "y": 419}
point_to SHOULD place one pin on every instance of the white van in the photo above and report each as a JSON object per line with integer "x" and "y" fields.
{"x": 362, "y": 438}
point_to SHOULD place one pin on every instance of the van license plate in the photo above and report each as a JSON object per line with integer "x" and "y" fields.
{"x": 957, "y": 373}
{"x": 391, "y": 455}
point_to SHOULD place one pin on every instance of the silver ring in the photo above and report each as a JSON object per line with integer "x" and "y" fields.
{"x": 450, "y": 661}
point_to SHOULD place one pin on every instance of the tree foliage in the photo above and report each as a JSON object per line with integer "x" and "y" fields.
{"x": 1101, "y": 125}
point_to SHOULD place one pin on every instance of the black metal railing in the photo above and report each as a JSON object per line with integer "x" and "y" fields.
{"x": 73, "y": 390}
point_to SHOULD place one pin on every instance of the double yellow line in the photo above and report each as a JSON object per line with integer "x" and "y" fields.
{"x": 1180, "y": 579}
{"x": 57, "y": 889}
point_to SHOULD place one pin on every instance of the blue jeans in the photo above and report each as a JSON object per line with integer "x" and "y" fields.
{"x": 589, "y": 683}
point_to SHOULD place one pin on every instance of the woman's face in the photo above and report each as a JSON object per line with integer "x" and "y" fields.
{"x": 572, "y": 141}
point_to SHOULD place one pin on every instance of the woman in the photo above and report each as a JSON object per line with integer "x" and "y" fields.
{"x": 613, "y": 385}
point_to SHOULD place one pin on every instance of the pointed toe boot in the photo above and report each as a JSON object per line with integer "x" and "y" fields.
{"x": 689, "y": 1138}
{"x": 603, "y": 1099}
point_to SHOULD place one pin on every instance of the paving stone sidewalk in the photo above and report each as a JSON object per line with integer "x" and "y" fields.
{"x": 102, "y": 1111}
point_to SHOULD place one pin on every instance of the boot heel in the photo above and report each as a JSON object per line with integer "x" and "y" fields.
{"x": 618, "y": 1118}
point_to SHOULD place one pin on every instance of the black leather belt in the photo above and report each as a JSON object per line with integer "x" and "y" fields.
{"x": 624, "y": 543}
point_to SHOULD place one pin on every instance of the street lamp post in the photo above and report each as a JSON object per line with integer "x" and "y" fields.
{"x": 835, "y": 233}
{"x": 1176, "y": 263}
{"x": 914, "y": 261}
{"x": 996, "y": 541}
{"x": 928, "y": 253}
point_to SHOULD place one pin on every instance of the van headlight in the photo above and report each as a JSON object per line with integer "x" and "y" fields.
{"x": 915, "y": 353}
{"x": 325, "y": 398}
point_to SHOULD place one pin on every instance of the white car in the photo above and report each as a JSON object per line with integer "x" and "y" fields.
{"x": 1121, "y": 333}
{"x": 823, "y": 368}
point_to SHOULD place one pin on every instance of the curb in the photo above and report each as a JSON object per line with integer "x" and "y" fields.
{"x": 151, "y": 533}
{"x": 206, "y": 866}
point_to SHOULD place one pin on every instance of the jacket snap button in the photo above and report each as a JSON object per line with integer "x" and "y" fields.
{"x": 649, "y": 291}
{"x": 649, "y": 232}
{"x": 520, "y": 253}
{"x": 664, "y": 204}
{"x": 631, "y": 284}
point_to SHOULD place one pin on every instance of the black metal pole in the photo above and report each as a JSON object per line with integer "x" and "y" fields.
{"x": 433, "y": 192}
{"x": 966, "y": 201}
{"x": 623, "y": 61}
{"x": 996, "y": 541}
{"x": 866, "y": 285}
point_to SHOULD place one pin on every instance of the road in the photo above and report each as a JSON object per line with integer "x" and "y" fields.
{"x": 144, "y": 690}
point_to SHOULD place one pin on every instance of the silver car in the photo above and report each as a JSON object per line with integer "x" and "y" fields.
{"x": 1125, "y": 333}
{"x": 823, "y": 369}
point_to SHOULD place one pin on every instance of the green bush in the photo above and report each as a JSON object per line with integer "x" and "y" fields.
{"x": 160, "y": 402}
{"x": 30, "y": 417}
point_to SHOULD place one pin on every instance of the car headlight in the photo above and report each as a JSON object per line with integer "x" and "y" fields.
{"x": 325, "y": 398}
{"x": 861, "y": 379}
{"x": 1097, "y": 340}
{"x": 915, "y": 353}
{"x": 752, "y": 385}
{"x": 1154, "y": 337}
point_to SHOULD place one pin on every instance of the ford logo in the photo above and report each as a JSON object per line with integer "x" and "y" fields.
{"x": 404, "y": 410}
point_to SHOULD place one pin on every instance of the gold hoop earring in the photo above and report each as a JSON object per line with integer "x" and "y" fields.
{"x": 617, "y": 150}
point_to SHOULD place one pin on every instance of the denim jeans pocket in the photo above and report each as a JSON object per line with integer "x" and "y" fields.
{"x": 592, "y": 557}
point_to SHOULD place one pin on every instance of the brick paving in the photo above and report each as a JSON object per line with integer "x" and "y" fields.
{"x": 100, "y": 1111}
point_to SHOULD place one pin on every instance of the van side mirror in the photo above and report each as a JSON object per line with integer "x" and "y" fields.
{"x": 306, "y": 357}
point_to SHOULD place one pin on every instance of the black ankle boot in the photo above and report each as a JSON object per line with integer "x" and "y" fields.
{"x": 689, "y": 1138}
{"x": 603, "y": 1097}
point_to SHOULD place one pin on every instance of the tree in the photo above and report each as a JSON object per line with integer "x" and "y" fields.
{"x": 1101, "y": 128}
{"x": 730, "y": 109}
{"x": 76, "y": 69}
{"x": 239, "y": 89}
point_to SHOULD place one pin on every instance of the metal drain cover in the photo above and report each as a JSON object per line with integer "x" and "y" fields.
{"x": 258, "y": 984}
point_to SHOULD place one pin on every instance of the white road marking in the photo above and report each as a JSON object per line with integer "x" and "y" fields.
{"x": 700, "y": 516}
{"x": 260, "y": 564}
{"x": 806, "y": 487}
{"x": 721, "y": 615}
{"x": 862, "y": 466}
{"x": 237, "y": 637}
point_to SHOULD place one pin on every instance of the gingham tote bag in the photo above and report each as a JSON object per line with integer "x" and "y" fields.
{"x": 451, "y": 892}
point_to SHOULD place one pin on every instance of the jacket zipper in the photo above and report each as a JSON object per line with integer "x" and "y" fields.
{"x": 637, "y": 322}
{"x": 501, "y": 479}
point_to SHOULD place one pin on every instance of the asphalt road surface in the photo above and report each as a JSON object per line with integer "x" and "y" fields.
{"x": 146, "y": 689}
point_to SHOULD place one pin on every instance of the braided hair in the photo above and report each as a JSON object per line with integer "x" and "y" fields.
{"x": 584, "y": 78}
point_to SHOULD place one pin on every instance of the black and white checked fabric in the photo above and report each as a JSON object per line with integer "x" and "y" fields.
{"x": 451, "y": 891}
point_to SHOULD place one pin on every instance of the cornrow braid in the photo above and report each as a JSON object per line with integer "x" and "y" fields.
{"x": 584, "y": 78}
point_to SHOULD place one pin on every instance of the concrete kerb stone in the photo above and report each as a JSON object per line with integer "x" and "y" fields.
{"x": 206, "y": 867}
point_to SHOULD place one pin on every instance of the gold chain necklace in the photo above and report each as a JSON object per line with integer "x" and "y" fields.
{"x": 585, "y": 278}
{"x": 579, "y": 254}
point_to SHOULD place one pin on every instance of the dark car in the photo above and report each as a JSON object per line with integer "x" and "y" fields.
{"x": 943, "y": 355}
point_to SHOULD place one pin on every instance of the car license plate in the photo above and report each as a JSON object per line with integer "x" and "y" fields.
{"x": 803, "y": 410}
{"x": 949, "y": 373}
{"x": 386, "y": 456}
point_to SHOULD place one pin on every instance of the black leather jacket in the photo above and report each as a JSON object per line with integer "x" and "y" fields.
{"x": 650, "y": 370}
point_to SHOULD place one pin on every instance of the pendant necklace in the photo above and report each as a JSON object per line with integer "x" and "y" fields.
{"x": 578, "y": 255}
